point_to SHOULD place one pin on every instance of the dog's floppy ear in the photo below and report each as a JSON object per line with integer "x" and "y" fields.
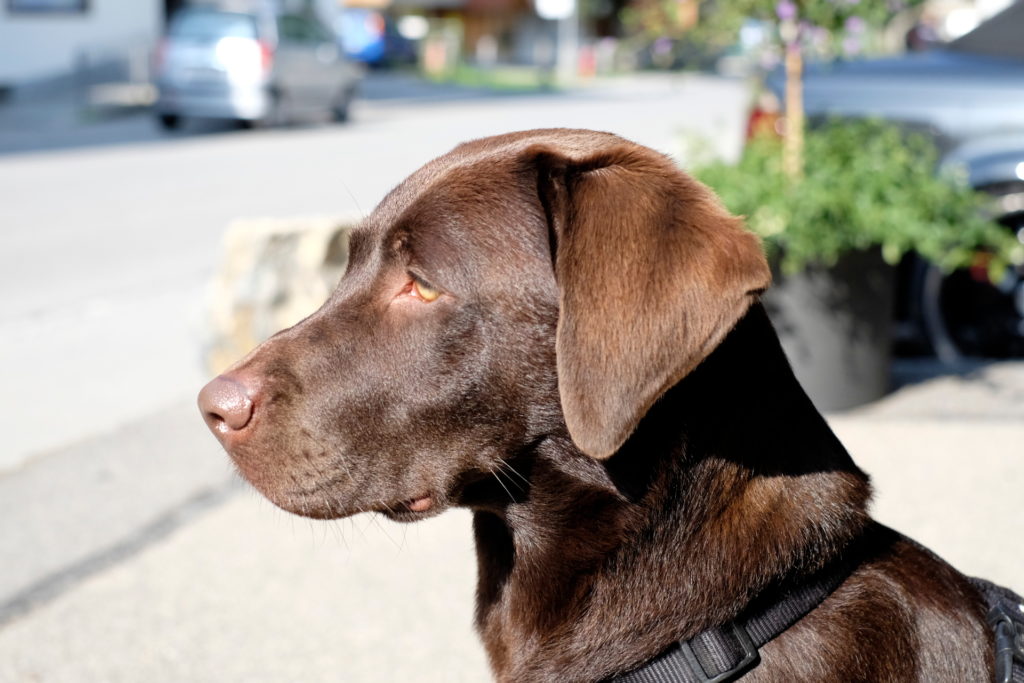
{"x": 652, "y": 273}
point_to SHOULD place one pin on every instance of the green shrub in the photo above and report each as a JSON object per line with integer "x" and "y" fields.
{"x": 867, "y": 183}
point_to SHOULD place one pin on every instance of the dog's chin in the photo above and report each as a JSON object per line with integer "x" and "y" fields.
{"x": 324, "y": 507}
{"x": 304, "y": 506}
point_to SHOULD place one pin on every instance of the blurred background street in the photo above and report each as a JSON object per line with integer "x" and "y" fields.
{"x": 128, "y": 549}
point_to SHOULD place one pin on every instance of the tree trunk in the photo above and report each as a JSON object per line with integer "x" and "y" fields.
{"x": 793, "y": 143}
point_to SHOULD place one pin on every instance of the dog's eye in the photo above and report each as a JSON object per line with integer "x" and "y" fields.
{"x": 424, "y": 291}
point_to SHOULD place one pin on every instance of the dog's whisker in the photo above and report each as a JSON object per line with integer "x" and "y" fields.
{"x": 510, "y": 480}
{"x": 312, "y": 529}
{"x": 380, "y": 528}
{"x": 352, "y": 522}
{"x": 362, "y": 214}
{"x": 507, "y": 469}
{"x": 338, "y": 531}
{"x": 508, "y": 466}
{"x": 326, "y": 500}
{"x": 335, "y": 529}
{"x": 510, "y": 496}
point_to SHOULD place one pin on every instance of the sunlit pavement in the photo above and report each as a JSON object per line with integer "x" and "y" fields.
{"x": 129, "y": 552}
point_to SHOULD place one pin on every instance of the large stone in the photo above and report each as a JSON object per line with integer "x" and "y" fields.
{"x": 273, "y": 273}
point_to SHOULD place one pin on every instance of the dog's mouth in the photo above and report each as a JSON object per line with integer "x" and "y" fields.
{"x": 321, "y": 507}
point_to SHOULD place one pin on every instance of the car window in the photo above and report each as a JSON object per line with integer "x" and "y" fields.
{"x": 322, "y": 33}
{"x": 212, "y": 25}
{"x": 295, "y": 28}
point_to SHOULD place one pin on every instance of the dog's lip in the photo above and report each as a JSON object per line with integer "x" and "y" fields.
{"x": 422, "y": 503}
{"x": 415, "y": 508}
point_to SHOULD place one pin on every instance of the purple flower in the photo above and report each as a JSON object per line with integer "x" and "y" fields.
{"x": 851, "y": 46}
{"x": 818, "y": 36}
{"x": 855, "y": 24}
{"x": 785, "y": 10}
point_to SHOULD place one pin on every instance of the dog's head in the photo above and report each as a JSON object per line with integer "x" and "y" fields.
{"x": 521, "y": 287}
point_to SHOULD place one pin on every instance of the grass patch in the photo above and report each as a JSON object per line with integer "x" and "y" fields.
{"x": 505, "y": 77}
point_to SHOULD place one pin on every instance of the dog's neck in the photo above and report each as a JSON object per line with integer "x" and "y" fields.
{"x": 732, "y": 481}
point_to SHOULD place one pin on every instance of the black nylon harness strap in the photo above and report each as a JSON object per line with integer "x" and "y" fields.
{"x": 727, "y": 652}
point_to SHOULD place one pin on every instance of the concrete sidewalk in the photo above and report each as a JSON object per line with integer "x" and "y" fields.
{"x": 180, "y": 575}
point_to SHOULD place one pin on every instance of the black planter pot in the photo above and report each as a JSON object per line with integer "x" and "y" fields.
{"x": 835, "y": 325}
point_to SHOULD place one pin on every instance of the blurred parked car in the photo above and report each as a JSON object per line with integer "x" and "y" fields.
{"x": 969, "y": 95}
{"x": 255, "y": 66}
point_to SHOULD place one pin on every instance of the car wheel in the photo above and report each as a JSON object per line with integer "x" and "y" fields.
{"x": 169, "y": 121}
{"x": 965, "y": 315}
{"x": 341, "y": 110}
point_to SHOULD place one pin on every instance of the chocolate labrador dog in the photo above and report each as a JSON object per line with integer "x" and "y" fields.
{"x": 560, "y": 330}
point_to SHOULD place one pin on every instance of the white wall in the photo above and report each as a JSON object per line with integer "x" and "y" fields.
{"x": 37, "y": 45}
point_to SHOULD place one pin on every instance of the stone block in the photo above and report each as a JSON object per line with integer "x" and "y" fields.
{"x": 273, "y": 273}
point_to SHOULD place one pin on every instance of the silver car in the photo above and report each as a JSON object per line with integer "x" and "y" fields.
{"x": 254, "y": 66}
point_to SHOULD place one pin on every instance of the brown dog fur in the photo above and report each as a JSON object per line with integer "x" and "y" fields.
{"x": 598, "y": 383}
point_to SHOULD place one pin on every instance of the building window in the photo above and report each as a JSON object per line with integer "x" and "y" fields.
{"x": 47, "y": 6}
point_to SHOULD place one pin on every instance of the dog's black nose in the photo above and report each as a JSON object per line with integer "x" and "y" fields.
{"x": 226, "y": 404}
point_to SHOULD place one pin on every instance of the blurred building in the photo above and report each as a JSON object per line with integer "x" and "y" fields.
{"x": 43, "y": 39}
{"x": 482, "y": 31}
{"x": 61, "y": 40}
{"x": 505, "y": 30}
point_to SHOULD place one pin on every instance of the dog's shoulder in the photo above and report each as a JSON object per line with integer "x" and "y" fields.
{"x": 903, "y": 614}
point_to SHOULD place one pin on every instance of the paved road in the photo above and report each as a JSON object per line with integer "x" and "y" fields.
{"x": 127, "y": 550}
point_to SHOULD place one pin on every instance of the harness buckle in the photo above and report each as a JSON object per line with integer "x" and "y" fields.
{"x": 1009, "y": 630}
{"x": 751, "y": 657}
